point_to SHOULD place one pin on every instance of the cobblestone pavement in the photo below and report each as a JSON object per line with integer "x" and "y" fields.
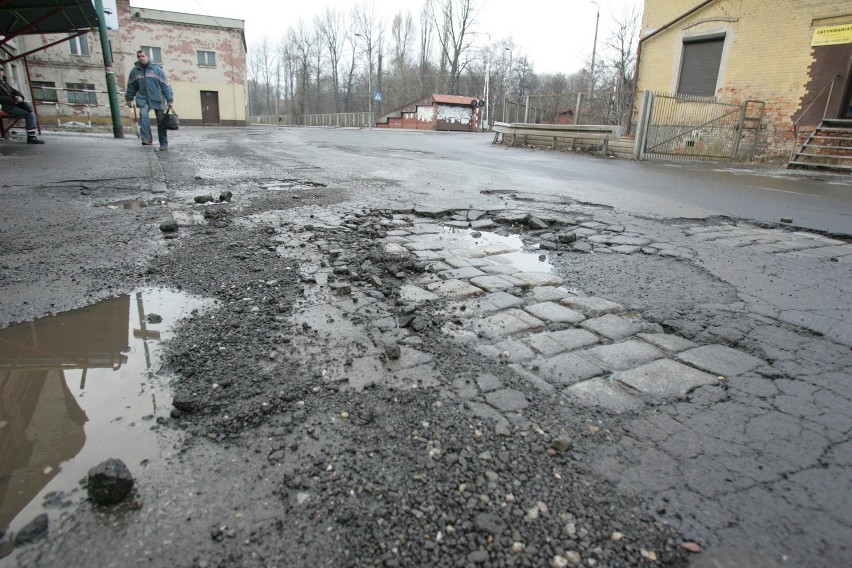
{"x": 736, "y": 431}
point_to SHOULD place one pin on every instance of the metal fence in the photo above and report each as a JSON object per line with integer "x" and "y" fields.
{"x": 340, "y": 119}
{"x": 607, "y": 108}
{"x": 78, "y": 108}
{"x": 699, "y": 128}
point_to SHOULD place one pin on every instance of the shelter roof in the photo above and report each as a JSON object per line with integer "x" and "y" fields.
{"x": 20, "y": 17}
{"x": 453, "y": 100}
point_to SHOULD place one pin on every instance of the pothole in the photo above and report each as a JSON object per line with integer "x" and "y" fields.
{"x": 76, "y": 389}
{"x": 289, "y": 185}
{"x": 508, "y": 250}
{"x": 128, "y": 204}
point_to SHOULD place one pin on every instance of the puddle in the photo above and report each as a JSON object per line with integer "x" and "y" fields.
{"x": 79, "y": 388}
{"x": 509, "y": 250}
{"x": 289, "y": 184}
{"x": 133, "y": 204}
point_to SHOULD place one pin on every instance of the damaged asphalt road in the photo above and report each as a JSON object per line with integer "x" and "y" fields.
{"x": 434, "y": 365}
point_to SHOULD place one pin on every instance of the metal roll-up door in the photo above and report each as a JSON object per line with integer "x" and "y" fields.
{"x": 699, "y": 70}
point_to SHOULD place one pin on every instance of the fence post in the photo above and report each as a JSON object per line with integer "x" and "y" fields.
{"x": 579, "y": 110}
{"x": 527, "y": 110}
{"x": 736, "y": 148}
{"x": 641, "y": 126}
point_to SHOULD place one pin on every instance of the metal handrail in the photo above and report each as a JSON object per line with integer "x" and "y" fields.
{"x": 830, "y": 87}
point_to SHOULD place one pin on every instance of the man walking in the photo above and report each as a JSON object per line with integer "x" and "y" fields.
{"x": 12, "y": 102}
{"x": 148, "y": 83}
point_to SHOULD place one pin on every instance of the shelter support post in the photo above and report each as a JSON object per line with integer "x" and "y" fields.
{"x": 112, "y": 90}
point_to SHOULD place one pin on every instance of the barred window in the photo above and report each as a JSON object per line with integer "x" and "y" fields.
{"x": 44, "y": 91}
{"x": 79, "y": 45}
{"x": 76, "y": 94}
{"x": 699, "y": 68}
{"x": 207, "y": 58}
{"x": 155, "y": 55}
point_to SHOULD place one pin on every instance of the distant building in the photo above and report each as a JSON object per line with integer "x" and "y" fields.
{"x": 203, "y": 56}
{"x": 436, "y": 112}
{"x": 794, "y": 55}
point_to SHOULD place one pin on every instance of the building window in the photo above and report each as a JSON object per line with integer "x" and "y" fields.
{"x": 699, "y": 68}
{"x": 77, "y": 96}
{"x": 207, "y": 58}
{"x": 79, "y": 45}
{"x": 44, "y": 91}
{"x": 154, "y": 54}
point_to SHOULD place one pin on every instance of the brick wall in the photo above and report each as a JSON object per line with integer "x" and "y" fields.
{"x": 767, "y": 54}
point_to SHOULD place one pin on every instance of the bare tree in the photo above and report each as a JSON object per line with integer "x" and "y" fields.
{"x": 620, "y": 47}
{"x": 330, "y": 32}
{"x": 425, "y": 41}
{"x": 262, "y": 66}
{"x": 350, "y": 72}
{"x": 454, "y": 20}
{"x": 403, "y": 83}
{"x": 369, "y": 30}
{"x": 402, "y": 35}
{"x": 302, "y": 47}
{"x": 620, "y": 62}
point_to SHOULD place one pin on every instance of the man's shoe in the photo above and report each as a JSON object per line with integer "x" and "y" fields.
{"x": 146, "y": 143}
{"x": 164, "y": 148}
{"x": 34, "y": 140}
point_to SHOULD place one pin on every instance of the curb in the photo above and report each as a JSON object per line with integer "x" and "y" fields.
{"x": 157, "y": 174}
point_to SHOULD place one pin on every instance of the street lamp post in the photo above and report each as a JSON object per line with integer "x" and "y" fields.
{"x": 506, "y": 99}
{"x": 594, "y": 47}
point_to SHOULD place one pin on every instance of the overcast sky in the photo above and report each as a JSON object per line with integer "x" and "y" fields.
{"x": 556, "y": 35}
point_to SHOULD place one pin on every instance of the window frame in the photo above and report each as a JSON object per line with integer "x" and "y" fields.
{"x": 207, "y": 62}
{"x": 155, "y": 54}
{"x": 42, "y": 88}
{"x": 82, "y": 90}
{"x": 79, "y": 43}
{"x": 691, "y": 76}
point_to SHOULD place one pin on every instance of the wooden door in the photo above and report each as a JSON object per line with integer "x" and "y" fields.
{"x": 209, "y": 107}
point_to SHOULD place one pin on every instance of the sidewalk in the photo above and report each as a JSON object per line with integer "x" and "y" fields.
{"x": 72, "y": 156}
{"x": 62, "y": 225}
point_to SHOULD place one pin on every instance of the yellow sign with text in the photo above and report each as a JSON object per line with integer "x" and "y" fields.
{"x": 832, "y": 35}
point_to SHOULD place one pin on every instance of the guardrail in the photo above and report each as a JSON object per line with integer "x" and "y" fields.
{"x": 557, "y": 135}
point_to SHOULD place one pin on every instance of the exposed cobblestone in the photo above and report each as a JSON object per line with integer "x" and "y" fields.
{"x": 716, "y": 406}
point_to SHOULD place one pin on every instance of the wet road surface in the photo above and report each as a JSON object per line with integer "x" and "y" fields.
{"x": 694, "y": 371}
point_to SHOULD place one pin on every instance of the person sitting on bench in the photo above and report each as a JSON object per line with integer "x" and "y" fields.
{"x": 13, "y": 103}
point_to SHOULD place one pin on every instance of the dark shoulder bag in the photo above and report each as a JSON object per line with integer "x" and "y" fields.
{"x": 172, "y": 120}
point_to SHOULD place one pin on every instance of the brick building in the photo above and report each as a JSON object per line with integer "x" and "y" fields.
{"x": 436, "y": 112}
{"x": 794, "y": 55}
{"x": 204, "y": 57}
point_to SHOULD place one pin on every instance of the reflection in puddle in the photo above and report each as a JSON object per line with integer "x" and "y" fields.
{"x": 509, "y": 250}
{"x": 78, "y": 388}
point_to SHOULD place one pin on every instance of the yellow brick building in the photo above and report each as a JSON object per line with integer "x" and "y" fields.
{"x": 794, "y": 55}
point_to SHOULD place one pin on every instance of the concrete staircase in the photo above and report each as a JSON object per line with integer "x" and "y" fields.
{"x": 828, "y": 147}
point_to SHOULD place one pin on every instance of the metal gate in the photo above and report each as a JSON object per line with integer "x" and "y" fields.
{"x": 683, "y": 127}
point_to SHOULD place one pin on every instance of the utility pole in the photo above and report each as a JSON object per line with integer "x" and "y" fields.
{"x": 112, "y": 89}
{"x": 509, "y": 49}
